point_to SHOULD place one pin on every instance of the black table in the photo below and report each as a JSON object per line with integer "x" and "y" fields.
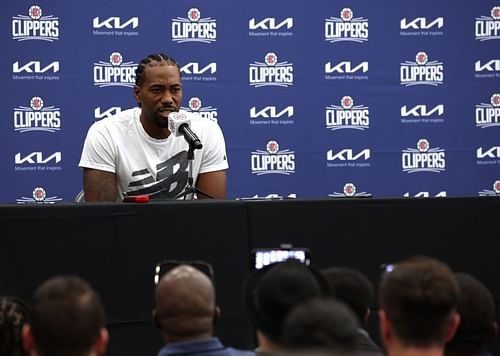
{"x": 115, "y": 247}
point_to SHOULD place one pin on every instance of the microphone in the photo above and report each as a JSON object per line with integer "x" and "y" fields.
{"x": 179, "y": 124}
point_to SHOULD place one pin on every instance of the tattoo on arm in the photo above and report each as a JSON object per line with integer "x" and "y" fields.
{"x": 99, "y": 186}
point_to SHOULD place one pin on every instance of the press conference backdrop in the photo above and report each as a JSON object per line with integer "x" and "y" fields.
{"x": 316, "y": 99}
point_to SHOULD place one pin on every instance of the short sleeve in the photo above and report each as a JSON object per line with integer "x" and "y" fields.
{"x": 99, "y": 151}
{"x": 214, "y": 155}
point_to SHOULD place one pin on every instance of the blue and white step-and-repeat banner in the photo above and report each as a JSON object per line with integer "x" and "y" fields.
{"x": 318, "y": 99}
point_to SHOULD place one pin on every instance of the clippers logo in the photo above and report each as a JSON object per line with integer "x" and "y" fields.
{"x": 488, "y": 27}
{"x": 37, "y": 117}
{"x": 346, "y": 28}
{"x": 488, "y": 115}
{"x": 115, "y": 26}
{"x": 270, "y": 27}
{"x": 347, "y": 116}
{"x": 349, "y": 191}
{"x": 345, "y": 70}
{"x": 272, "y": 196}
{"x": 100, "y": 114}
{"x": 488, "y": 156}
{"x": 422, "y": 114}
{"x": 271, "y": 115}
{"x": 272, "y": 160}
{"x": 421, "y": 72}
{"x": 271, "y": 72}
{"x": 194, "y": 28}
{"x": 423, "y": 159}
{"x": 494, "y": 192}
{"x": 114, "y": 73}
{"x": 441, "y": 194}
{"x": 39, "y": 195}
{"x": 37, "y": 161}
{"x": 421, "y": 26}
{"x": 35, "y": 26}
{"x": 34, "y": 70}
{"x": 195, "y": 72}
{"x": 195, "y": 107}
{"x": 347, "y": 154}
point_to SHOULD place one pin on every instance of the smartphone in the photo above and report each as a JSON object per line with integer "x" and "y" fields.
{"x": 261, "y": 257}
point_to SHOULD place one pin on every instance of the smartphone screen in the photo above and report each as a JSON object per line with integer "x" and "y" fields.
{"x": 264, "y": 257}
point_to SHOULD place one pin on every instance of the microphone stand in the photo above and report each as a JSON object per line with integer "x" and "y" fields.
{"x": 190, "y": 188}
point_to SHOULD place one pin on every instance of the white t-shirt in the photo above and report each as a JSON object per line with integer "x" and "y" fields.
{"x": 145, "y": 165}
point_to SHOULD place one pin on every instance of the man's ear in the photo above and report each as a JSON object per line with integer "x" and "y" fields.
{"x": 28, "y": 341}
{"x": 452, "y": 328}
{"x": 156, "y": 322}
{"x": 366, "y": 317}
{"x": 385, "y": 329}
{"x": 102, "y": 342}
{"x": 137, "y": 95}
{"x": 494, "y": 330}
{"x": 216, "y": 314}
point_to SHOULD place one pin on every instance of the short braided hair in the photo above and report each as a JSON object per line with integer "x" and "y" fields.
{"x": 152, "y": 59}
{"x": 14, "y": 313}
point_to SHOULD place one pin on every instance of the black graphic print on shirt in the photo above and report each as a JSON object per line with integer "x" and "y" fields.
{"x": 171, "y": 179}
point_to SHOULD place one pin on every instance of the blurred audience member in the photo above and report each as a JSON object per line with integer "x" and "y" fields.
{"x": 418, "y": 301}
{"x": 186, "y": 314}
{"x": 271, "y": 292}
{"x": 67, "y": 318}
{"x": 13, "y": 315}
{"x": 356, "y": 290}
{"x": 478, "y": 327}
{"x": 320, "y": 326}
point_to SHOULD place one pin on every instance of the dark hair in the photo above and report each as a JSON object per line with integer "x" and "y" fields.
{"x": 476, "y": 307}
{"x": 323, "y": 325}
{"x": 14, "y": 314}
{"x": 271, "y": 292}
{"x": 67, "y": 315}
{"x": 352, "y": 287}
{"x": 152, "y": 59}
{"x": 419, "y": 297}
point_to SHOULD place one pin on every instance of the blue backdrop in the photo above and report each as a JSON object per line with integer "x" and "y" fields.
{"x": 319, "y": 99}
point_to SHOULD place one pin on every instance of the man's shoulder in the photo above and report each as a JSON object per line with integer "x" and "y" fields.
{"x": 210, "y": 347}
{"x": 239, "y": 352}
{"x": 119, "y": 120}
{"x": 366, "y": 345}
{"x": 123, "y": 117}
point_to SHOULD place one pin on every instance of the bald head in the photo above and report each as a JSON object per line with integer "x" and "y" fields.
{"x": 185, "y": 304}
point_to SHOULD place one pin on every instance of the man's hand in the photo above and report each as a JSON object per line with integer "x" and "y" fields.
{"x": 99, "y": 186}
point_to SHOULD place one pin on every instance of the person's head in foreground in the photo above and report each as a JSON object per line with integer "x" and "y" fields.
{"x": 271, "y": 292}
{"x": 478, "y": 327}
{"x": 67, "y": 318}
{"x": 418, "y": 301}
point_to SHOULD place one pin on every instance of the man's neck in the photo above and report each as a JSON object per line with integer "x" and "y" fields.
{"x": 415, "y": 351}
{"x": 266, "y": 344}
{"x": 197, "y": 337}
